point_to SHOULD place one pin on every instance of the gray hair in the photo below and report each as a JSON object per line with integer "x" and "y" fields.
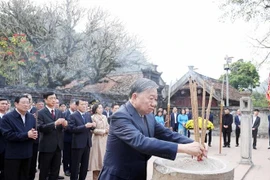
{"x": 142, "y": 85}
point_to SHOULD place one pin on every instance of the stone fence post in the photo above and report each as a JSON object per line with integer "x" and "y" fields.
{"x": 246, "y": 130}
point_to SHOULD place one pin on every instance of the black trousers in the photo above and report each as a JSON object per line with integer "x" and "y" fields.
{"x": 226, "y": 138}
{"x": 17, "y": 169}
{"x": 50, "y": 164}
{"x": 67, "y": 156}
{"x": 2, "y": 162}
{"x": 79, "y": 163}
{"x": 237, "y": 135}
{"x": 254, "y": 135}
{"x": 175, "y": 128}
{"x": 209, "y": 137}
{"x": 33, "y": 164}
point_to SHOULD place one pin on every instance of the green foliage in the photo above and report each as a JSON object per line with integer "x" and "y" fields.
{"x": 243, "y": 75}
{"x": 15, "y": 54}
{"x": 259, "y": 100}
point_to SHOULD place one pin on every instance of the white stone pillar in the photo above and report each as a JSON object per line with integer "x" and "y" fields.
{"x": 246, "y": 130}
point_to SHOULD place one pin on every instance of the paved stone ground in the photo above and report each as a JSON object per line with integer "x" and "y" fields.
{"x": 260, "y": 158}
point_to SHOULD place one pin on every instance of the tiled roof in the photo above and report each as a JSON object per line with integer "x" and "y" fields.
{"x": 183, "y": 83}
{"x": 114, "y": 84}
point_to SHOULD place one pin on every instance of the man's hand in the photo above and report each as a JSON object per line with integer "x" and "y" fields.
{"x": 89, "y": 125}
{"x": 65, "y": 123}
{"x": 194, "y": 149}
{"x": 59, "y": 121}
{"x": 33, "y": 134}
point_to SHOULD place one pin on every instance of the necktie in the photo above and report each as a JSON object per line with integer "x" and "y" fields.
{"x": 83, "y": 118}
{"x": 53, "y": 114}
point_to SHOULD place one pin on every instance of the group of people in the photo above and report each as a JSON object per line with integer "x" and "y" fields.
{"x": 83, "y": 140}
{"x": 178, "y": 121}
{"x": 227, "y": 121}
{"x": 47, "y": 136}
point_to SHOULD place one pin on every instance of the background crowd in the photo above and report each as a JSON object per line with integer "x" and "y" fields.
{"x": 47, "y": 133}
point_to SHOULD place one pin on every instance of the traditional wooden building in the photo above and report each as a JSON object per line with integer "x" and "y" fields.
{"x": 180, "y": 91}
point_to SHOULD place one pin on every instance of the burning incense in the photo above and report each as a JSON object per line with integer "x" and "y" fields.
{"x": 204, "y": 126}
{"x": 203, "y": 130}
{"x": 194, "y": 105}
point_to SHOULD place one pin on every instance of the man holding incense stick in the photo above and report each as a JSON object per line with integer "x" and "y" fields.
{"x": 135, "y": 136}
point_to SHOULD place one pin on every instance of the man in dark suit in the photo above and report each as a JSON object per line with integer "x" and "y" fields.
{"x": 18, "y": 128}
{"x": 135, "y": 135}
{"x": 227, "y": 120}
{"x": 107, "y": 112}
{"x": 33, "y": 164}
{"x": 80, "y": 124}
{"x": 237, "y": 122}
{"x": 211, "y": 119}
{"x": 68, "y": 139}
{"x": 255, "y": 125}
{"x": 3, "y": 107}
{"x": 115, "y": 108}
{"x": 51, "y": 123}
{"x": 189, "y": 114}
{"x": 174, "y": 121}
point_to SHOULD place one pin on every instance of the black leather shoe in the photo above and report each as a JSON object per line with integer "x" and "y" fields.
{"x": 236, "y": 145}
{"x": 254, "y": 148}
{"x": 209, "y": 145}
{"x": 229, "y": 146}
{"x": 67, "y": 173}
{"x": 269, "y": 147}
{"x": 61, "y": 177}
{"x": 224, "y": 146}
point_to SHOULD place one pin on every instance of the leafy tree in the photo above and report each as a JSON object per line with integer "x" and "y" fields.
{"x": 63, "y": 54}
{"x": 259, "y": 100}
{"x": 243, "y": 75}
{"x": 15, "y": 54}
{"x": 250, "y": 10}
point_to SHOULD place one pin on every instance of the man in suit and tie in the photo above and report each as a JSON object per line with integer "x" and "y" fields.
{"x": 18, "y": 128}
{"x": 237, "y": 122}
{"x": 51, "y": 123}
{"x": 68, "y": 139}
{"x": 174, "y": 121}
{"x": 135, "y": 135}
{"x": 3, "y": 107}
{"x": 107, "y": 112}
{"x": 33, "y": 164}
{"x": 255, "y": 125}
{"x": 115, "y": 108}
{"x": 80, "y": 124}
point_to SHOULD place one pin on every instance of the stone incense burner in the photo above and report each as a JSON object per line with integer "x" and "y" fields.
{"x": 186, "y": 168}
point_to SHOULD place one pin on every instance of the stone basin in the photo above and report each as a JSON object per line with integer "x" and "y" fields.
{"x": 185, "y": 167}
